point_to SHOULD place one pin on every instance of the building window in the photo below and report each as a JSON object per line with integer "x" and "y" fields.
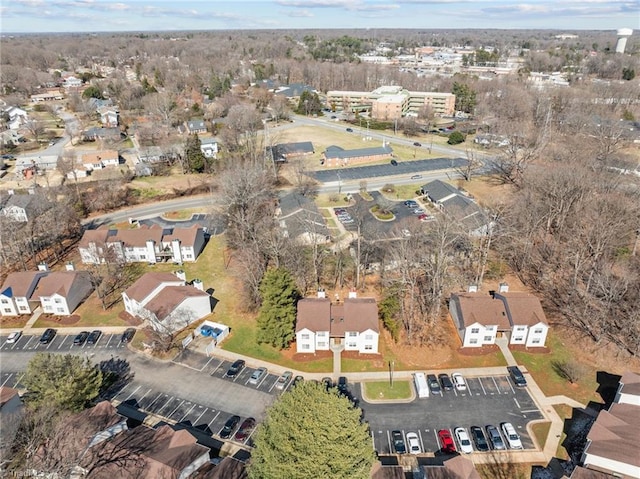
{"x": 305, "y": 336}
{"x": 188, "y": 256}
{"x": 475, "y": 330}
{"x": 306, "y": 346}
{"x": 58, "y": 300}
{"x": 537, "y": 331}
{"x": 368, "y": 347}
{"x": 7, "y": 310}
{"x": 23, "y": 308}
{"x": 473, "y": 341}
{"x": 5, "y": 301}
{"x": 353, "y": 334}
{"x": 536, "y": 341}
{"x": 488, "y": 338}
{"x": 60, "y": 310}
{"x": 352, "y": 345}
{"x": 322, "y": 344}
{"x": 321, "y": 334}
{"x": 520, "y": 328}
{"x": 143, "y": 256}
{"x": 518, "y": 338}
{"x": 368, "y": 337}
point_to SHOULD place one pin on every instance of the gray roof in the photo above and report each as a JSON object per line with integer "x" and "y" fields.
{"x": 97, "y": 132}
{"x": 334, "y": 151}
{"x": 300, "y": 215}
{"x": 294, "y": 202}
{"x": 294, "y": 89}
{"x": 298, "y": 148}
{"x": 438, "y": 190}
{"x": 197, "y": 124}
{"x": 208, "y": 141}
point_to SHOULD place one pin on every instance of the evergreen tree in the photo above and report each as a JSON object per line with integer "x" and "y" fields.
{"x": 312, "y": 432}
{"x": 67, "y": 381}
{"x": 465, "y": 97}
{"x": 195, "y": 159}
{"x": 277, "y": 317}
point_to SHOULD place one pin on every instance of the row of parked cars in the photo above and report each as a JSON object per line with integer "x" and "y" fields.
{"x": 489, "y": 438}
{"x": 417, "y": 210}
{"x": 81, "y": 338}
{"x": 343, "y": 216}
{"x": 443, "y": 382}
{"x": 259, "y": 373}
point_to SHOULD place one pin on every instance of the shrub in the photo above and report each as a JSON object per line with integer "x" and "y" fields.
{"x": 456, "y": 138}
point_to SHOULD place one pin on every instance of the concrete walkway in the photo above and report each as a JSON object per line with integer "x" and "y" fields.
{"x": 503, "y": 344}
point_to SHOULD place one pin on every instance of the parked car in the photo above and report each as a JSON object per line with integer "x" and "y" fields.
{"x": 510, "y": 434}
{"x": 463, "y": 440}
{"x": 398, "y": 442}
{"x": 516, "y": 376}
{"x": 458, "y": 382}
{"x": 434, "y": 385}
{"x": 426, "y": 217}
{"x": 328, "y": 382}
{"x": 418, "y": 211}
{"x": 495, "y": 439}
{"x": 235, "y": 368}
{"x": 47, "y": 336}
{"x": 394, "y": 162}
{"x": 128, "y": 335}
{"x": 350, "y": 130}
{"x": 342, "y": 384}
{"x": 416, "y": 177}
{"x": 13, "y": 337}
{"x": 479, "y": 438}
{"x": 446, "y": 441}
{"x": 346, "y": 221}
{"x": 8, "y": 157}
{"x": 415, "y": 143}
{"x": 283, "y": 380}
{"x": 229, "y": 427}
{"x": 94, "y": 336}
{"x": 445, "y": 382}
{"x": 257, "y": 375}
{"x": 414, "y": 443}
{"x": 81, "y": 338}
{"x": 245, "y": 429}
{"x": 411, "y": 204}
{"x": 297, "y": 380}
{"x": 340, "y": 211}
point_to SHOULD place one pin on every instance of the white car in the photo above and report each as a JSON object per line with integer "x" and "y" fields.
{"x": 13, "y": 337}
{"x": 463, "y": 440}
{"x": 510, "y": 434}
{"x": 458, "y": 382}
{"x": 414, "y": 443}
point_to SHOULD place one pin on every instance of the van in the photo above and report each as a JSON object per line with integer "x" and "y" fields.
{"x": 422, "y": 388}
{"x": 516, "y": 376}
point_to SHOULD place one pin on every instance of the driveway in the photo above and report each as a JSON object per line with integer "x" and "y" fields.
{"x": 214, "y": 225}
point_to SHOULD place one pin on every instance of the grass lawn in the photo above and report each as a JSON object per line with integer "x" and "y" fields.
{"x": 328, "y": 201}
{"x": 383, "y": 390}
{"x": 182, "y": 214}
{"x": 540, "y": 367}
{"x": 18, "y": 322}
{"x": 541, "y": 431}
{"x": 91, "y": 315}
{"x": 401, "y": 192}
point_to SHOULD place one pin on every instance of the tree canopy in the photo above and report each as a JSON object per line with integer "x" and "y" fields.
{"x": 277, "y": 317}
{"x": 311, "y": 432}
{"x": 196, "y": 162}
{"x": 67, "y": 381}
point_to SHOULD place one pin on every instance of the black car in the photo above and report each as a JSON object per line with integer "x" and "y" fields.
{"x": 394, "y": 162}
{"x": 47, "y": 336}
{"x": 128, "y": 335}
{"x": 434, "y": 385}
{"x": 81, "y": 338}
{"x": 229, "y": 427}
{"x": 328, "y": 382}
{"x": 297, "y": 380}
{"x": 477, "y": 434}
{"x": 8, "y": 157}
{"x": 517, "y": 376}
{"x": 94, "y": 336}
{"x": 235, "y": 368}
{"x": 445, "y": 382}
{"x": 342, "y": 384}
{"x": 398, "y": 442}
{"x": 350, "y": 130}
{"x": 415, "y": 143}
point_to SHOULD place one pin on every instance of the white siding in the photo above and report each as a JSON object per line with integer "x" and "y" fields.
{"x": 537, "y": 335}
{"x": 305, "y": 341}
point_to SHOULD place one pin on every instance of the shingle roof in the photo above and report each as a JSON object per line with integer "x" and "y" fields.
{"x": 337, "y": 152}
{"x": 289, "y": 149}
{"x": 354, "y": 314}
{"x": 457, "y": 467}
{"x": 20, "y": 284}
{"x": 483, "y": 309}
{"x": 164, "y": 303}
{"x": 186, "y": 236}
{"x": 313, "y": 314}
{"x": 630, "y": 383}
{"x": 59, "y": 282}
{"x": 437, "y": 190}
{"x": 98, "y": 237}
{"x": 524, "y": 308}
{"x": 99, "y": 156}
{"x": 139, "y": 290}
{"x": 139, "y": 236}
{"x": 615, "y": 434}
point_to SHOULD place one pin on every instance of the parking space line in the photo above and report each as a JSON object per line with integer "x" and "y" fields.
{"x": 202, "y": 414}
{"x": 214, "y": 418}
{"x": 216, "y": 368}
{"x": 421, "y": 442}
{"x": 30, "y": 338}
{"x": 187, "y": 413}
{"x": 373, "y": 441}
{"x": 517, "y": 403}
{"x": 18, "y": 381}
{"x": 263, "y": 380}
{"x": 129, "y": 396}
{"x": 7, "y": 380}
{"x": 482, "y": 386}
{"x": 109, "y": 340}
{"x": 144, "y": 395}
{"x": 496, "y": 384}
{"x": 166, "y": 403}
{"x": 64, "y": 338}
{"x": 273, "y": 385}
{"x": 206, "y": 364}
{"x": 510, "y": 385}
{"x": 389, "y": 442}
{"x": 176, "y": 408}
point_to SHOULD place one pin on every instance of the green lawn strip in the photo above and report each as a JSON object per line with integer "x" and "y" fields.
{"x": 182, "y": 214}
{"x": 91, "y": 315}
{"x": 540, "y": 366}
{"x": 490, "y": 359}
{"x": 384, "y": 390}
{"x": 327, "y": 200}
{"x": 564, "y": 411}
{"x": 401, "y": 192}
{"x": 541, "y": 431}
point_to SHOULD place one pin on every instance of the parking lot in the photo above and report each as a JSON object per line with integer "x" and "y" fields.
{"x": 61, "y": 343}
{"x": 488, "y": 400}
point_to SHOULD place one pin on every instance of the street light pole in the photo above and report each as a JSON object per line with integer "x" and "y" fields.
{"x": 339, "y": 183}
{"x": 392, "y": 364}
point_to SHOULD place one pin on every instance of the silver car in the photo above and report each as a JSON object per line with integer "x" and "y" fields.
{"x": 257, "y": 375}
{"x": 283, "y": 380}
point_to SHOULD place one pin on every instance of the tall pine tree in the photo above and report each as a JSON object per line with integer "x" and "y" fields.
{"x": 277, "y": 317}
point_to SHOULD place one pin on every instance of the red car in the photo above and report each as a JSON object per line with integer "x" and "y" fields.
{"x": 245, "y": 429}
{"x": 446, "y": 441}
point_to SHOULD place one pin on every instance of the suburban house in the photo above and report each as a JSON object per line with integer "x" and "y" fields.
{"x": 49, "y": 95}
{"x": 209, "y": 147}
{"x": 166, "y": 300}
{"x": 299, "y": 219}
{"x": 72, "y": 83}
{"x": 17, "y": 291}
{"x": 23, "y": 207}
{"x": 151, "y": 154}
{"x": 337, "y": 156}
{"x": 34, "y": 164}
{"x": 100, "y": 159}
{"x": 352, "y": 324}
{"x": 457, "y": 205}
{"x": 286, "y": 151}
{"x": 195, "y": 125}
{"x": 101, "y": 133}
{"x": 109, "y": 116}
{"x": 144, "y": 244}
{"x": 61, "y": 292}
{"x": 103, "y": 422}
{"x": 612, "y": 442}
{"x": 13, "y": 137}
{"x": 481, "y": 318}
{"x": 17, "y": 117}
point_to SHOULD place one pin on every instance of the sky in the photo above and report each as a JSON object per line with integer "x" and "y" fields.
{"x": 40, "y": 16}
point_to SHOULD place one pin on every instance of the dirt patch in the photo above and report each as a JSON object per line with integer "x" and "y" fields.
{"x": 481, "y": 351}
{"x": 14, "y": 321}
{"x": 61, "y": 320}
{"x": 524, "y": 349}
{"x": 305, "y": 358}
{"x": 129, "y": 319}
{"x": 487, "y": 191}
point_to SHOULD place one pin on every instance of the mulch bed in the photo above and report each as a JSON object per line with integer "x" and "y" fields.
{"x": 305, "y": 358}
{"x": 61, "y": 320}
{"x": 129, "y": 319}
{"x": 481, "y": 351}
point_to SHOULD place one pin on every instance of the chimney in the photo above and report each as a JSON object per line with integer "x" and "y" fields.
{"x": 181, "y": 274}
{"x": 472, "y": 288}
{"x": 353, "y": 293}
{"x": 197, "y": 283}
{"x": 31, "y": 191}
{"x": 69, "y": 266}
{"x": 10, "y": 192}
{"x": 321, "y": 293}
{"x": 43, "y": 266}
{"x": 503, "y": 288}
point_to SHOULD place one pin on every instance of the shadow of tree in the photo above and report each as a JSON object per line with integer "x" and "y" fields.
{"x": 116, "y": 374}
